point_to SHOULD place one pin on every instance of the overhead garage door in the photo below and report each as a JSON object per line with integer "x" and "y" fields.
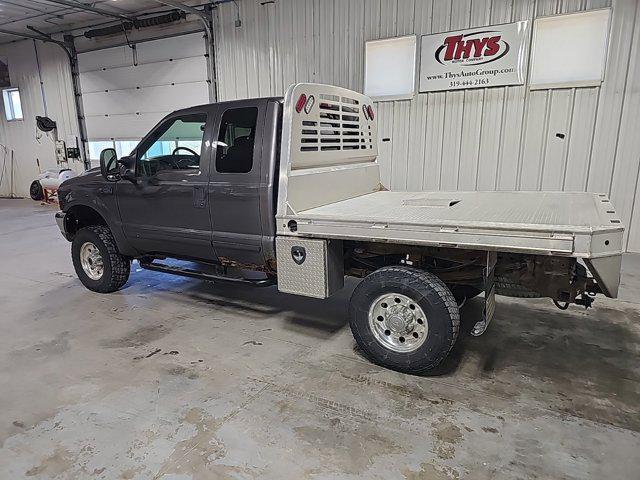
{"x": 125, "y": 92}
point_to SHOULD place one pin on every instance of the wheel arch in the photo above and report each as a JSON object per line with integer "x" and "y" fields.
{"x": 81, "y": 215}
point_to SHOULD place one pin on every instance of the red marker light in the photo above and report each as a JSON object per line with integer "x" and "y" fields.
{"x": 370, "y": 112}
{"x": 302, "y": 99}
{"x": 365, "y": 112}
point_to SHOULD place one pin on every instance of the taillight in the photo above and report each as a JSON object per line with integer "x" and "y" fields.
{"x": 302, "y": 99}
{"x": 309, "y": 104}
{"x": 370, "y": 112}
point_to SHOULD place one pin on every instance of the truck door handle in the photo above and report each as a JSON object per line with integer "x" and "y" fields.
{"x": 199, "y": 196}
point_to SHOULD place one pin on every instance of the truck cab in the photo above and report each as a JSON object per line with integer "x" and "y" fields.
{"x": 200, "y": 185}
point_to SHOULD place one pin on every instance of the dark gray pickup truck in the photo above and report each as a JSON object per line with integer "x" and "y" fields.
{"x": 290, "y": 188}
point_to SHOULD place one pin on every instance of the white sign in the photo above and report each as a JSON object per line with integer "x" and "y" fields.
{"x": 474, "y": 58}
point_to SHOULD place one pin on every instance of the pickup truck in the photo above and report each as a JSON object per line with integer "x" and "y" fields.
{"x": 288, "y": 191}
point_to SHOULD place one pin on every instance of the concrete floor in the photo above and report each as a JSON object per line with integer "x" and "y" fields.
{"x": 177, "y": 379}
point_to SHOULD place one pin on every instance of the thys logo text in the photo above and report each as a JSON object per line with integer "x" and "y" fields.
{"x": 472, "y": 48}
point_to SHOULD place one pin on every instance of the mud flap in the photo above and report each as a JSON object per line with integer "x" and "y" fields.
{"x": 489, "y": 295}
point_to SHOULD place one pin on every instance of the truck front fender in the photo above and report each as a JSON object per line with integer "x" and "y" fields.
{"x": 81, "y": 214}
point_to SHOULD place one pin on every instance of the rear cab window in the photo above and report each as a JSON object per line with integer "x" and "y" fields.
{"x": 236, "y": 140}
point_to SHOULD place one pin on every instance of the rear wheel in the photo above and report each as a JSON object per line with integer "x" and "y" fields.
{"x": 96, "y": 259}
{"x": 404, "y": 319}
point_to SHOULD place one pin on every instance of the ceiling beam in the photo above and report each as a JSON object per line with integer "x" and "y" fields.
{"x": 25, "y": 35}
{"x": 42, "y": 38}
{"x": 34, "y": 29}
{"x": 26, "y": 7}
{"x": 89, "y": 8}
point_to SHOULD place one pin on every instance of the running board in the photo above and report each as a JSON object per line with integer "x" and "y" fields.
{"x": 209, "y": 277}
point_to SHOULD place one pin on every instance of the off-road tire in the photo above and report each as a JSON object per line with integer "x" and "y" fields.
{"x": 430, "y": 293}
{"x": 116, "y": 266}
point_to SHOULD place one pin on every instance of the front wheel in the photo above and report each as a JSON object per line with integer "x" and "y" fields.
{"x": 404, "y": 319}
{"x": 96, "y": 259}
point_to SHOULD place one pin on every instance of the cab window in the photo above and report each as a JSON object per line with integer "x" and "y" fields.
{"x": 236, "y": 139}
{"x": 174, "y": 145}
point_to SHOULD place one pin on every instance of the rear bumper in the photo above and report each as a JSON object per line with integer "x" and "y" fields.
{"x": 60, "y": 220}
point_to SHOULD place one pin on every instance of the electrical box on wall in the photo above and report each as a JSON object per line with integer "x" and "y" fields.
{"x": 73, "y": 152}
{"x": 61, "y": 151}
{"x": 73, "y": 149}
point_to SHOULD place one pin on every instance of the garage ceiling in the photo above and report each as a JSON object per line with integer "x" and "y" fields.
{"x": 53, "y": 17}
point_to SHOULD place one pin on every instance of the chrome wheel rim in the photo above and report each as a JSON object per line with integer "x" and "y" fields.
{"x": 91, "y": 261}
{"x": 398, "y": 323}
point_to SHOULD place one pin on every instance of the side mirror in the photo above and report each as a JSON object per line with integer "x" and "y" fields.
{"x": 109, "y": 164}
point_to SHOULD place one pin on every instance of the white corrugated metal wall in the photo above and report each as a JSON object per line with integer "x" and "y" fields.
{"x": 32, "y": 150}
{"x": 495, "y": 138}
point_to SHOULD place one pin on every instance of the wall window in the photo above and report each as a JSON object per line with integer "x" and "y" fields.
{"x": 12, "y": 104}
{"x": 570, "y": 50}
{"x": 234, "y": 151}
{"x": 123, "y": 147}
{"x": 390, "y": 68}
{"x": 95, "y": 147}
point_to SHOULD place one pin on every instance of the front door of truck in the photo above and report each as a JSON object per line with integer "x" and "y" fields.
{"x": 236, "y": 181}
{"x": 167, "y": 209}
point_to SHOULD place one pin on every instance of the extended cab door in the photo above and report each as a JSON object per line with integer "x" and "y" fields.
{"x": 235, "y": 186}
{"x": 167, "y": 210}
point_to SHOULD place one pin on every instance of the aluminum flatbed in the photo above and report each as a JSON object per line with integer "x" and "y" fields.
{"x": 330, "y": 187}
{"x": 557, "y": 223}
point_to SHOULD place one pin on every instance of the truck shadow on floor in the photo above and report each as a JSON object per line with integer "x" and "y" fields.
{"x": 315, "y": 317}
